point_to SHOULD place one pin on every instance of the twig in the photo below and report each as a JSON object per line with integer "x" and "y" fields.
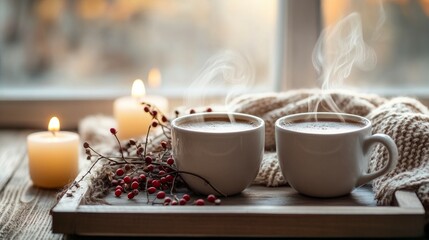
{"x": 120, "y": 148}
{"x": 101, "y": 155}
{"x": 202, "y": 178}
{"x": 88, "y": 172}
{"x": 147, "y": 138}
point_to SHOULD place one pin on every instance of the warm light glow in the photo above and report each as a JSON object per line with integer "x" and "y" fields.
{"x": 138, "y": 90}
{"x": 154, "y": 78}
{"x": 49, "y": 10}
{"x": 425, "y": 6}
{"x": 54, "y": 124}
{"x": 91, "y": 9}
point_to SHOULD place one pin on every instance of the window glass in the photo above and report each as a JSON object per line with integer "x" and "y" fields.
{"x": 68, "y": 46}
{"x": 395, "y": 48}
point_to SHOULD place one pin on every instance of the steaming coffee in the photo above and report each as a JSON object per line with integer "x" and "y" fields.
{"x": 323, "y": 126}
{"x": 327, "y": 154}
{"x": 218, "y": 125}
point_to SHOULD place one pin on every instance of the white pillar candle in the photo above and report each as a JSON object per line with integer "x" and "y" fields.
{"x": 132, "y": 120}
{"x": 53, "y": 156}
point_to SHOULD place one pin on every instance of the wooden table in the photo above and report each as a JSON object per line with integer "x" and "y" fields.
{"x": 24, "y": 209}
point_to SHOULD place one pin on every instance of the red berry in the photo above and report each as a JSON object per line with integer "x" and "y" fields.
{"x": 162, "y": 172}
{"x": 182, "y": 201}
{"x": 150, "y": 167}
{"x": 156, "y": 183}
{"x": 170, "y": 161}
{"x": 127, "y": 167}
{"x": 148, "y": 160}
{"x": 142, "y": 177}
{"x": 130, "y": 195}
{"x": 151, "y": 190}
{"x": 134, "y": 185}
{"x": 127, "y": 179}
{"x": 169, "y": 178}
{"x": 120, "y": 172}
{"x": 160, "y": 195}
{"x": 167, "y": 200}
{"x": 211, "y": 198}
{"x": 118, "y": 192}
{"x": 186, "y": 197}
{"x": 163, "y": 180}
{"x": 192, "y": 111}
{"x": 135, "y": 179}
{"x": 135, "y": 192}
{"x": 174, "y": 202}
{"x": 113, "y": 131}
{"x": 149, "y": 181}
{"x": 199, "y": 202}
{"x": 114, "y": 182}
{"x": 154, "y": 113}
{"x": 154, "y": 124}
{"x": 119, "y": 187}
{"x": 209, "y": 110}
{"x": 139, "y": 150}
{"x": 164, "y": 119}
{"x": 86, "y": 145}
{"x": 146, "y": 109}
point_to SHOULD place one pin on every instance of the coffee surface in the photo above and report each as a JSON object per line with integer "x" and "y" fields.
{"x": 323, "y": 126}
{"x": 218, "y": 125}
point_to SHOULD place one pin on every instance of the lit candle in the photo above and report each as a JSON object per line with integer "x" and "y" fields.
{"x": 53, "y": 156}
{"x": 132, "y": 120}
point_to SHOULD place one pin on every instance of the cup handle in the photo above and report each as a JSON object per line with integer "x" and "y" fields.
{"x": 392, "y": 161}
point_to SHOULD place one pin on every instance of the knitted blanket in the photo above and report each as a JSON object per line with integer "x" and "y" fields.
{"x": 406, "y": 120}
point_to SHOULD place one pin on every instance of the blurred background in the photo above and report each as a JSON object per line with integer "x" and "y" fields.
{"x": 104, "y": 45}
{"x": 398, "y": 32}
{"x": 79, "y": 50}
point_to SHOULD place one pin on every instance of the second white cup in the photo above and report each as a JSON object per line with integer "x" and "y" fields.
{"x": 326, "y": 154}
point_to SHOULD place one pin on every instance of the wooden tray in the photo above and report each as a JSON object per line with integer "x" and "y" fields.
{"x": 258, "y": 211}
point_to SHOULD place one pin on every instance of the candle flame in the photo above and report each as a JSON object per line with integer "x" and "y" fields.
{"x": 54, "y": 124}
{"x": 154, "y": 78}
{"x": 138, "y": 90}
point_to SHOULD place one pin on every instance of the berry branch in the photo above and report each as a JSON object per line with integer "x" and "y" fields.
{"x": 147, "y": 167}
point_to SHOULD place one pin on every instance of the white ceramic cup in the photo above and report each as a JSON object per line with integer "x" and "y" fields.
{"x": 328, "y": 164}
{"x": 228, "y": 159}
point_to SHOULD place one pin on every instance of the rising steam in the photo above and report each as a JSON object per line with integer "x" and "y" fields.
{"x": 338, "y": 50}
{"x": 346, "y": 49}
{"x": 226, "y": 70}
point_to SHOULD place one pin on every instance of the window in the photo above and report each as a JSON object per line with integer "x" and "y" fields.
{"x": 395, "y": 45}
{"x": 72, "y": 58}
{"x": 62, "y": 49}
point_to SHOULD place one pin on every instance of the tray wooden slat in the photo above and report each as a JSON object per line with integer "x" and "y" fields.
{"x": 258, "y": 211}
